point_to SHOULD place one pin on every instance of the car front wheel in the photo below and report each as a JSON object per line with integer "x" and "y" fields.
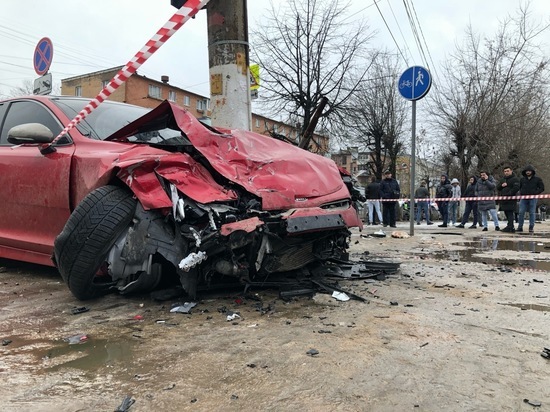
{"x": 88, "y": 235}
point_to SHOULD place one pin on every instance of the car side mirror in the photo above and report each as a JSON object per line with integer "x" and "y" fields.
{"x": 30, "y": 133}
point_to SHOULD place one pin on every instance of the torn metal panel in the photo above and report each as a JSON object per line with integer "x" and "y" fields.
{"x": 181, "y": 170}
{"x": 247, "y": 225}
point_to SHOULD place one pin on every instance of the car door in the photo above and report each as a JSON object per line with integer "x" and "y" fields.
{"x": 34, "y": 188}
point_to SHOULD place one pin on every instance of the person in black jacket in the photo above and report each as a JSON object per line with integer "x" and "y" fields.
{"x": 471, "y": 205}
{"x": 508, "y": 186}
{"x": 372, "y": 193}
{"x": 389, "y": 189}
{"x": 529, "y": 184}
{"x": 443, "y": 191}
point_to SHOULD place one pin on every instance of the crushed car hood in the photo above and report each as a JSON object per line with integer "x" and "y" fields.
{"x": 282, "y": 175}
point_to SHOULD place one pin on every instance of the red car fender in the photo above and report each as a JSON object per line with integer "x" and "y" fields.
{"x": 190, "y": 177}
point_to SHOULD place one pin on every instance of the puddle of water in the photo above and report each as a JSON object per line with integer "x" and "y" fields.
{"x": 87, "y": 356}
{"x": 529, "y": 306}
{"x": 484, "y": 245}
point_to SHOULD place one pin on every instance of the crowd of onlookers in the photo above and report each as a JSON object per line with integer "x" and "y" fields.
{"x": 479, "y": 195}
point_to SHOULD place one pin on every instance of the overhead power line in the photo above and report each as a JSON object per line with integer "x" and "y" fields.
{"x": 400, "y": 31}
{"x": 392, "y": 36}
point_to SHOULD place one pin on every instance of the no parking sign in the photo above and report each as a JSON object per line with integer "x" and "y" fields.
{"x": 43, "y": 55}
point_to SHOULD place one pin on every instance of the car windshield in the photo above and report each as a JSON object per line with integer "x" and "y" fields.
{"x": 110, "y": 117}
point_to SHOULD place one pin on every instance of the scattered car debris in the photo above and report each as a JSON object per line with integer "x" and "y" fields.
{"x": 232, "y": 316}
{"x": 533, "y": 403}
{"x": 379, "y": 233}
{"x": 169, "y": 387}
{"x": 312, "y": 352}
{"x": 127, "y": 402}
{"x": 6, "y": 342}
{"x": 77, "y": 339}
{"x": 424, "y": 344}
{"x": 545, "y": 353}
{"x": 185, "y": 308}
{"x": 290, "y": 292}
{"x": 333, "y": 288}
{"x": 79, "y": 310}
{"x": 341, "y": 296}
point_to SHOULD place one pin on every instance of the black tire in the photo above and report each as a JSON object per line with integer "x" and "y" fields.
{"x": 87, "y": 237}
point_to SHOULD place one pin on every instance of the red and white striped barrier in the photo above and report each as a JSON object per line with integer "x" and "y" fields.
{"x": 188, "y": 10}
{"x": 452, "y": 199}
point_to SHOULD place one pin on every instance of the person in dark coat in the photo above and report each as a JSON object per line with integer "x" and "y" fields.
{"x": 389, "y": 189}
{"x": 372, "y": 193}
{"x": 443, "y": 191}
{"x": 529, "y": 184}
{"x": 508, "y": 186}
{"x": 471, "y": 205}
{"x": 485, "y": 187}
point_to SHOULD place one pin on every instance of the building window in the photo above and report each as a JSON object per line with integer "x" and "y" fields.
{"x": 154, "y": 91}
{"x": 172, "y": 95}
{"x": 104, "y": 83}
{"x": 202, "y": 105}
{"x": 78, "y": 91}
{"x": 275, "y": 128}
{"x": 186, "y": 100}
{"x": 257, "y": 122}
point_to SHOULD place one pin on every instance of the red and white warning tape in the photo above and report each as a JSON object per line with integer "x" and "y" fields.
{"x": 450, "y": 199}
{"x": 188, "y": 10}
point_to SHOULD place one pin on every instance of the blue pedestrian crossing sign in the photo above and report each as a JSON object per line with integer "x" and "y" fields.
{"x": 414, "y": 83}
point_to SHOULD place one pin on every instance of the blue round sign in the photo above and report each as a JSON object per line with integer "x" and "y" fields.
{"x": 414, "y": 83}
{"x": 43, "y": 55}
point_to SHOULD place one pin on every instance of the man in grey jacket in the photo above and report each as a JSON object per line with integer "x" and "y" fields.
{"x": 485, "y": 187}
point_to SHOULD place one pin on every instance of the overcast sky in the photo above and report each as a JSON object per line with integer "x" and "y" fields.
{"x": 99, "y": 34}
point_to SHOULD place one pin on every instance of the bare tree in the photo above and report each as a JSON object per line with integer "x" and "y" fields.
{"x": 377, "y": 116}
{"x": 493, "y": 104}
{"x": 308, "y": 50}
{"x": 27, "y": 88}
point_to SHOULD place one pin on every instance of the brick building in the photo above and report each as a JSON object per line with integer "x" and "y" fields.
{"x": 142, "y": 91}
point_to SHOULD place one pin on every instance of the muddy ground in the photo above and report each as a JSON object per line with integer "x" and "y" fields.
{"x": 466, "y": 334}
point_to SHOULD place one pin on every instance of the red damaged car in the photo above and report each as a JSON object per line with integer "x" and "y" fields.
{"x": 131, "y": 195}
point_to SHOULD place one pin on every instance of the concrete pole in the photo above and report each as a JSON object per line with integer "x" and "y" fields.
{"x": 228, "y": 58}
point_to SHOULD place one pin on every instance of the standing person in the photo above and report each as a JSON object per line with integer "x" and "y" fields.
{"x": 455, "y": 200}
{"x": 443, "y": 191}
{"x": 422, "y": 195}
{"x": 471, "y": 205}
{"x": 372, "y": 193}
{"x": 389, "y": 189}
{"x": 485, "y": 187}
{"x": 529, "y": 184}
{"x": 508, "y": 186}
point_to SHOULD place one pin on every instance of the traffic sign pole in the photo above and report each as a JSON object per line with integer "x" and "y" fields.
{"x": 413, "y": 171}
{"x": 413, "y": 85}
